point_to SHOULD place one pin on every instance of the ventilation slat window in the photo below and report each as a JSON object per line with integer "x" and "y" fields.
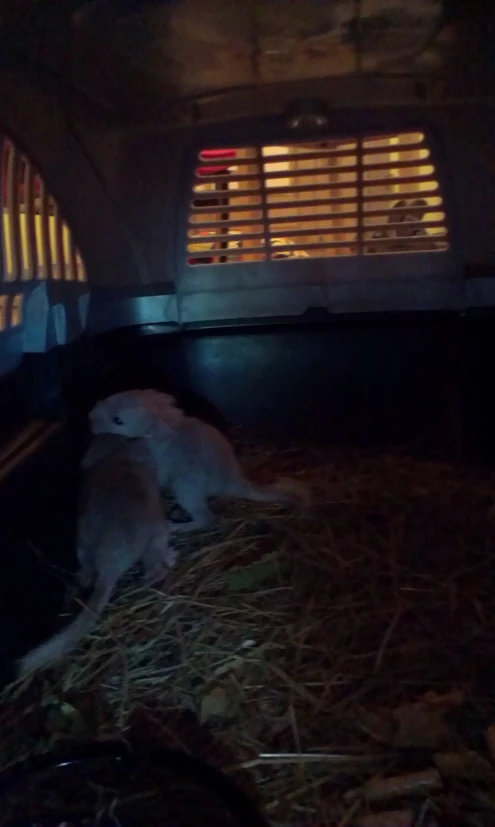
{"x": 11, "y": 197}
{"x": 43, "y": 235}
{"x": 59, "y": 244}
{"x": 28, "y": 224}
{"x": 346, "y": 197}
{"x": 37, "y": 243}
{"x": 10, "y": 312}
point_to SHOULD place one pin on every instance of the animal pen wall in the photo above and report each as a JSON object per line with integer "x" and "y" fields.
{"x": 335, "y": 286}
{"x": 331, "y": 278}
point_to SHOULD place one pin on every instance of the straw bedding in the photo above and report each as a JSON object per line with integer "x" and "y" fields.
{"x": 283, "y": 633}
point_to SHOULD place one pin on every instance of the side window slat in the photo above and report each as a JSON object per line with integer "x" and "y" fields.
{"x": 37, "y": 242}
{"x": 351, "y": 196}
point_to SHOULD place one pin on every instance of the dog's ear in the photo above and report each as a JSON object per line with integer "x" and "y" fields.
{"x": 168, "y": 399}
{"x": 162, "y": 408}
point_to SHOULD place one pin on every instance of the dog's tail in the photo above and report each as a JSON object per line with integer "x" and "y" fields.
{"x": 284, "y": 490}
{"x": 63, "y": 642}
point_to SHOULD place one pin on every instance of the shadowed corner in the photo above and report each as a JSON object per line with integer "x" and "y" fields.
{"x": 8, "y": 667}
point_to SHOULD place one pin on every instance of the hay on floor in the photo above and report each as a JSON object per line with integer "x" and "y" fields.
{"x": 281, "y": 635}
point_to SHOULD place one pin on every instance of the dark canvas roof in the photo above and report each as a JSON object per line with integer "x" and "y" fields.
{"x": 143, "y": 53}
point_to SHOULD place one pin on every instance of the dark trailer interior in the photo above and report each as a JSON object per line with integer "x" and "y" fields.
{"x": 280, "y": 212}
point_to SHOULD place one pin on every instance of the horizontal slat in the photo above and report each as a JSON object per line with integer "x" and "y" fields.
{"x": 278, "y": 248}
{"x": 213, "y": 225}
{"x": 206, "y": 196}
{"x": 310, "y": 232}
{"x": 227, "y": 222}
{"x": 312, "y": 172}
{"x": 312, "y": 217}
{"x": 403, "y": 225}
{"x": 309, "y": 221}
{"x": 367, "y": 222}
{"x": 383, "y": 177}
{"x": 307, "y": 232}
{"x": 342, "y": 149}
{"x": 416, "y": 242}
{"x": 314, "y": 155}
{"x": 391, "y": 240}
{"x": 225, "y": 196}
{"x": 340, "y": 153}
{"x": 402, "y": 211}
{"x": 385, "y": 244}
{"x": 242, "y": 165}
{"x": 227, "y": 170}
{"x": 327, "y": 187}
{"x": 317, "y": 155}
{"x": 210, "y": 162}
{"x": 375, "y": 251}
{"x": 387, "y": 165}
{"x": 401, "y": 240}
{"x": 274, "y": 159}
{"x": 370, "y": 200}
{"x": 233, "y": 254}
{"x": 194, "y": 210}
{"x": 256, "y": 177}
{"x": 417, "y": 143}
{"x": 220, "y": 239}
{"x": 316, "y": 245}
{"x": 335, "y": 245}
{"x": 227, "y": 179}
{"x": 402, "y": 182}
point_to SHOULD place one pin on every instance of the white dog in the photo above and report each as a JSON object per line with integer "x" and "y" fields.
{"x": 194, "y": 460}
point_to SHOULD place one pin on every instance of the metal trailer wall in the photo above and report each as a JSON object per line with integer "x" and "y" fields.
{"x": 373, "y": 379}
